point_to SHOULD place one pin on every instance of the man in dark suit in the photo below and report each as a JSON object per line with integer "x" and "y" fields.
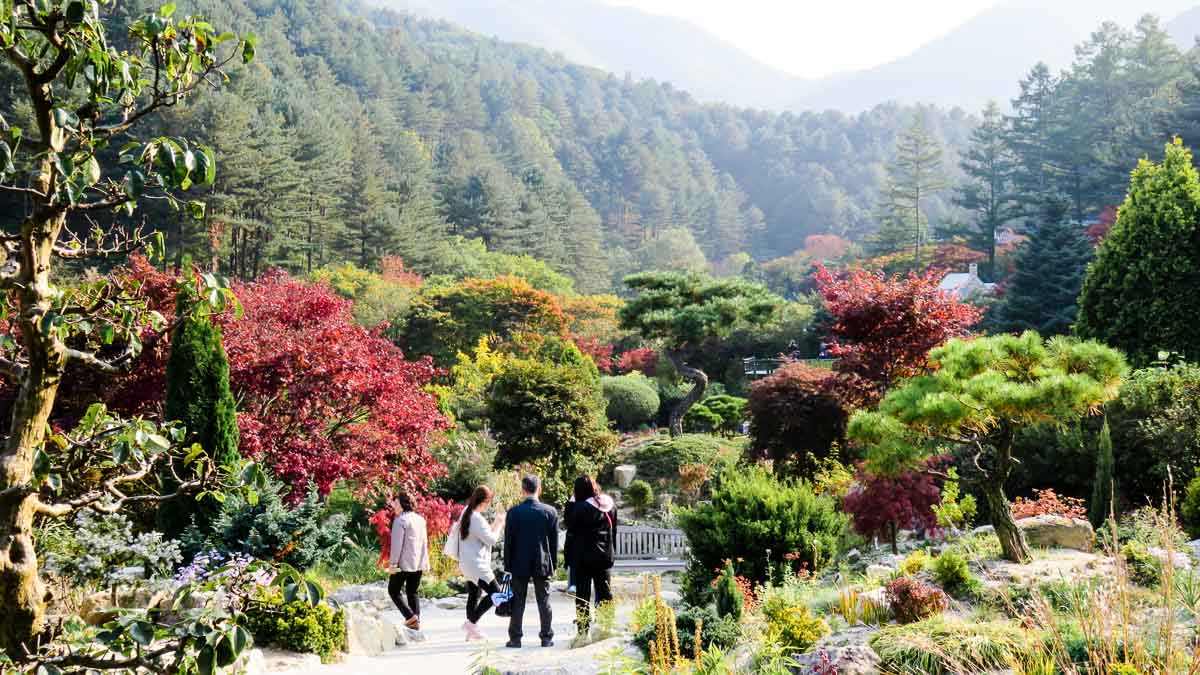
{"x": 530, "y": 554}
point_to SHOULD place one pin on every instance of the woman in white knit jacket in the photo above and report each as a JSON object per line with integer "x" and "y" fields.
{"x": 409, "y": 559}
{"x": 476, "y": 539}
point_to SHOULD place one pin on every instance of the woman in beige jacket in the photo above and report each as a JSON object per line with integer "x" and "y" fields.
{"x": 409, "y": 559}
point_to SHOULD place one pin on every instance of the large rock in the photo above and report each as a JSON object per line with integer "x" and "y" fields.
{"x": 1179, "y": 558}
{"x": 1058, "y": 532}
{"x": 879, "y": 571}
{"x": 374, "y": 594}
{"x": 453, "y": 602}
{"x": 852, "y": 660}
{"x": 366, "y": 632}
{"x": 624, "y": 475}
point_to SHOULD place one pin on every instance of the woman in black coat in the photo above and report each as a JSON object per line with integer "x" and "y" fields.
{"x": 592, "y": 531}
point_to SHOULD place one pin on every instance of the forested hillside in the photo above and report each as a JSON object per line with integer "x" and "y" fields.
{"x": 364, "y": 133}
{"x": 356, "y": 137}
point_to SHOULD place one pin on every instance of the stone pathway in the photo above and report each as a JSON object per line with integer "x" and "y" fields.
{"x": 445, "y": 651}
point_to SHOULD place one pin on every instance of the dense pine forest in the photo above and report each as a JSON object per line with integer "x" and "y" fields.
{"x": 368, "y": 133}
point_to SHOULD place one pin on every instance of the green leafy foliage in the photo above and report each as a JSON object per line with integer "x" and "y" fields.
{"x": 640, "y": 495}
{"x": 297, "y": 626}
{"x": 542, "y": 412}
{"x": 1189, "y": 509}
{"x": 716, "y": 414}
{"x": 1104, "y": 486}
{"x": 1143, "y": 567}
{"x": 1137, "y": 295}
{"x": 951, "y": 571}
{"x": 662, "y": 458}
{"x": 632, "y": 400}
{"x": 770, "y": 528}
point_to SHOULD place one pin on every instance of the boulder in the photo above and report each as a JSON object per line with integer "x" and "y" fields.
{"x": 1179, "y": 558}
{"x": 851, "y": 660}
{"x": 395, "y": 623}
{"x": 452, "y": 602}
{"x": 1048, "y": 531}
{"x": 251, "y": 662}
{"x": 624, "y": 475}
{"x": 1194, "y": 546}
{"x": 983, "y": 529}
{"x": 853, "y": 555}
{"x": 374, "y": 594}
{"x": 366, "y": 632}
{"x": 879, "y": 570}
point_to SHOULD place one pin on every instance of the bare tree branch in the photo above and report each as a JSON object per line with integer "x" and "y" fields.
{"x": 11, "y": 368}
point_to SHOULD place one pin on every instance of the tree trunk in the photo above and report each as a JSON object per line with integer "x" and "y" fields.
{"x": 22, "y": 593}
{"x": 700, "y": 381}
{"x": 894, "y": 534}
{"x": 1012, "y": 541}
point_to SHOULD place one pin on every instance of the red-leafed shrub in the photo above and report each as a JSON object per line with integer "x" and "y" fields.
{"x": 880, "y": 504}
{"x": 320, "y": 398}
{"x": 392, "y": 269}
{"x": 1047, "y": 502}
{"x": 911, "y": 599}
{"x": 883, "y": 328}
{"x": 643, "y": 359}
{"x": 600, "y": 352}
{"x": 796, "y": 415}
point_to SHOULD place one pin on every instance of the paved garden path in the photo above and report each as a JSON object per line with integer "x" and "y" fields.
{"x": 446, "y": 652}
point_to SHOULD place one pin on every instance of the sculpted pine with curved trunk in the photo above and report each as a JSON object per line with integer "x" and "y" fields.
{"x": 84, "y": 96}
{"x": 683, "y": 311}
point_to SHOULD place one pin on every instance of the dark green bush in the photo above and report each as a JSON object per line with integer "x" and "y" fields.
{"x": 301, "y": 535}
{"x": 715, "y": 631}
{"x": 762, "y": 524}
{"x": 663, "y": 457}
{"x": 1189, "y": 510}
{"x": 1144, "y": 568}
{"x": 469, "y": 457}
{"x": 721, "y": 413}
{"x": 297, "y": 626}
{"x": 632, "y": 400}
{"x": 952, "y": 573}
{"x": 640, "y": 495}
{"x": 728, "y": 596}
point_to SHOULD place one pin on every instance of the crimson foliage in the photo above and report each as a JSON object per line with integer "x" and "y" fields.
{"x": 880, "y": 504}
{"x": 796, "y": 415}
{"x": 883, "y": 327}
{"x": 912, "y": 599}
{"x": 321, "y": 399}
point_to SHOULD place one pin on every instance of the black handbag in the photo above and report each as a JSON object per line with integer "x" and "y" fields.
{"x": 501, "y": 600}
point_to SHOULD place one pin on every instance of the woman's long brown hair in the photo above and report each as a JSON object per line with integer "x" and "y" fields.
{"x": 479, "y": 496}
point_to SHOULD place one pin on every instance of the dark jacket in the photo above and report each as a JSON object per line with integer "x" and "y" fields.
{"x": 592, "y": 529}
{"x": 531, "y": 540}
{"x": 568, "y": 541}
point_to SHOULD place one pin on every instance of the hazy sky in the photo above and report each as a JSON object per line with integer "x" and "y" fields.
{"x": 810, "y": 38}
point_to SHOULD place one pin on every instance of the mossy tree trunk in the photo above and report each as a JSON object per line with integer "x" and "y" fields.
{"x": 699, "y": 384}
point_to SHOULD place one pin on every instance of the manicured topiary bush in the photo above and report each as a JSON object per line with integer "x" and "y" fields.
{"x": 663, "y": 457}
{"x": 640, "y": 495}
{"x": 951, "y": 571}
{"x": 728, "y": 596}
{"x": 716, "y": 414}
{"x": 632, "y": 400}
{"x": 796, "y": 416}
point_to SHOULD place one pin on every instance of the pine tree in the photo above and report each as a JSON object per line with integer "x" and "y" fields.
{"x": 370, "y": 224}
{"x": 1103, "y": 488}
{"x": 991, "y": 167}
{"x": 198, "y": 396}
{"x": 1140, "y": 294}
{"x": 1030, "y": 128}
{"x": 1042, "y": 291}
{"x": 915, "y": 174}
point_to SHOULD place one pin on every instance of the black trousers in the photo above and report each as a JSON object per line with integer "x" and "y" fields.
{"x": 585, "y": 580}
{"x": 541, "y": 591}
{"x": 402, "y": 587}
{"x": 479, "y": 598}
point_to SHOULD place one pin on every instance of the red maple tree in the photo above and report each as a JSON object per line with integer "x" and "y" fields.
{"x": 881, "y": 505}
{"x": 883, "y": 327}
{"x": 320, "y": 398}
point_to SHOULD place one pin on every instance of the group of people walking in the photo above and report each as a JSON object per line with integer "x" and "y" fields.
{"x": 529, "y": 534}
